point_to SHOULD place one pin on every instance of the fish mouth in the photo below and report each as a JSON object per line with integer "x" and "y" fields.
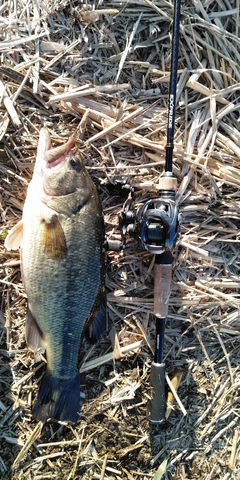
{"x": 57, "y": 155}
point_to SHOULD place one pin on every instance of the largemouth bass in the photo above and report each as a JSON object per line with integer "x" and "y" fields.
{"x": 61, "y": 236}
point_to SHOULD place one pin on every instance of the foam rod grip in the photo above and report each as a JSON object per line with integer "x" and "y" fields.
{"x": 157, "y": 404}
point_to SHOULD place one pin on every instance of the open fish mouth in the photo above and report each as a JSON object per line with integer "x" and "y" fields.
{"x": 52, "y": 156}
{"x": 57, "y": 155}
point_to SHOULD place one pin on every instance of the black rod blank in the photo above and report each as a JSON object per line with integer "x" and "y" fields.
{"x": 160, "y": 328}
{"x": 173, "y": 87}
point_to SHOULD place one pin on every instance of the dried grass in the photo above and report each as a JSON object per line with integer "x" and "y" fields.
{"x": 110, "y": 61}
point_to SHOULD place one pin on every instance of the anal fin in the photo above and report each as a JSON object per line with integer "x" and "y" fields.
{"x": 33, "y": 334}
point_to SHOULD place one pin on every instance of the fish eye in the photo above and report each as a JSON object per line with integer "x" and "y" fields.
{"x": 75, "y": 164}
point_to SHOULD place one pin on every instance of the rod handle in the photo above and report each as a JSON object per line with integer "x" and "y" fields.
{"x": 162, "y": 286}
{"x": 157, "y": 404}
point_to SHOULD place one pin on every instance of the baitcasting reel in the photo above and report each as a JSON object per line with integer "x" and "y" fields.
{"x": 155, "y": 224}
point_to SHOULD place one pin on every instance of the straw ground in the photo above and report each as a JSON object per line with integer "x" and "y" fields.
{"x": 103, "y": 68}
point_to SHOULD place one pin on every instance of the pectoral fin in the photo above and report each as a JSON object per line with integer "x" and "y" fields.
{"x": 53, "y": 239}
{"x": 33, "y": 334}
{"x": 14, "y": 238}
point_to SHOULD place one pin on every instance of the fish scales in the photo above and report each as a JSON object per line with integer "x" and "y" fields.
{"x": 61, "y": 293}
{"x": 61, "y": 236}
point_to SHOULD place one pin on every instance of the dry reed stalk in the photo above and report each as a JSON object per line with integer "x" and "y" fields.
{"x": 103, "y": 75}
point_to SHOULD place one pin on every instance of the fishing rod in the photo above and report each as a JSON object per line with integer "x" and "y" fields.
{"x": 156, "y": 226}
{"x": 170, "y": 227}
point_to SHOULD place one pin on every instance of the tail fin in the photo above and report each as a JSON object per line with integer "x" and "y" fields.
{"x": 58, "y": 399}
